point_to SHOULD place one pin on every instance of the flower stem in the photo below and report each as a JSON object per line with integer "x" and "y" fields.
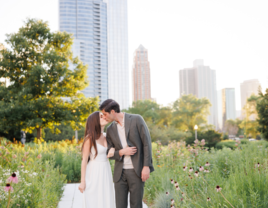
{"x": 226, "y": 200}
{"x": 9, "y": 197}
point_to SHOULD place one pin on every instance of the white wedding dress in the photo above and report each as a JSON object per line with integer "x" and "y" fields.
{"x": 99, "y": 191}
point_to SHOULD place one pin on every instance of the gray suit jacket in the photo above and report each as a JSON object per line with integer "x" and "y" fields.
{"x": 137, "y": 135}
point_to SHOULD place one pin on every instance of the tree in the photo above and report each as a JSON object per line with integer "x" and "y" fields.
{"x": 262, "y": 109}
{"x": 233, "y": 127}
{"x": 148, "y": 109}
{"x": 189, "y": 111}
{"x": 250, "y": 123}
{"x": 166, "y": 134}
{"x": 38, "y": 66}
{"x": 211, "y": 138}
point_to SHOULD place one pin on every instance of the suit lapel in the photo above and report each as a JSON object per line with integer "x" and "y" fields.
{"x": 127, "y": 125}
{"x": 115, "y": 132}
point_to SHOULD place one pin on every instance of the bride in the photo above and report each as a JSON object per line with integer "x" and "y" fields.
{"x": 96, "y": 175}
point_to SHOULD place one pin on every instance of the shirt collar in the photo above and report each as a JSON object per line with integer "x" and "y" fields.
{"x": 123, "y": 122}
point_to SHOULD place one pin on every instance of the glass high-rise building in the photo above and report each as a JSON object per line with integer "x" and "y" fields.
{"x": 118, "y": 68}
{"x": 87, "y": 21}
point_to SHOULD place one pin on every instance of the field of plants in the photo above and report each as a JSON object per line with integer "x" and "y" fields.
{"x": 185, "y": 176}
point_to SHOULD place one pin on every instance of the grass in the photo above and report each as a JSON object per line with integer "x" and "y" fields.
{"x": 237, "y": 172}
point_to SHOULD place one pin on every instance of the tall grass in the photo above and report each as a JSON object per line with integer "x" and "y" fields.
{"x": 241, "y": 173}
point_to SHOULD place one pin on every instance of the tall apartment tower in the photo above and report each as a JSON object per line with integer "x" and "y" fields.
{"x": 87, "y": 21}
{"x": 247, "y": 88}
{"x": 226, "y": 106}
{"x": 200, "y": 80}
{"x": 141, "y": 82}
{"x": 118, "y": 69}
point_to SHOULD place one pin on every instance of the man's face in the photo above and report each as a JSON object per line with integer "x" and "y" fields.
{"x": 109, "y": 117}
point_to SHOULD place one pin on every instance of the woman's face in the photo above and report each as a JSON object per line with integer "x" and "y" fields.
{"x": 103, "y": 122}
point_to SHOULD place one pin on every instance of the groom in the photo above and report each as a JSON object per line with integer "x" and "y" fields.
{"x": 130, "y": 137}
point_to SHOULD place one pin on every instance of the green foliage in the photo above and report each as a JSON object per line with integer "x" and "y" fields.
{"x": 211, "y": 138}
{"x": 166, "y": 134}
{"x": 262, "y": 109}
{"x": 148, "y": 109}
{"x": 174, "y": 122}
{"x": 189, "y": 111}
{"x": 233, "y": 127}
{"x": 38, "y": 66}
{"x": 40, "y": 183}
{"x": 229, "y": 144}
{"x": 66, "y": 132}
{"x": 250, "y": 123}
{"x": 243, "y": 183}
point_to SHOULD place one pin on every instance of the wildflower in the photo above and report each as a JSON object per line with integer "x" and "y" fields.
{"x": 172, "y": 201}
{"x": 203, "y": 142}
{"x": 171, "y": 206}
{"x": 201, "y": 168}
{"x": 196, "y": 173}
{"x": 39, "y": 156}
{"x": 218, "y": 188}
{"x": 207, "y": 164}
{"x": 184, "y": 168}
{"x": 176, "y": 183}
{"x": 206, "y": 171}
{"x": 18, "y": 205}
{"x": 258, "y": 165}
{"x": 236, "y": 145}
{"x": 172, "y": 181}
{"x": 196, "y": 141}
{"x": 191, "y": 169}
{"x": 8, "y": 187}
{"x": 13, "y": 178}
{"x": 177, "y": 188}
{"x": 14, "y": 156}
{"x": 167, "y": 193}
{"x": 26, "y": 153}
{"x": 22, "y": 166}
{"x": 167, "y": 155}
{"x": 158, "y": 156}
{"x": 158, "y": 151}
{"x": 208, "y": 199}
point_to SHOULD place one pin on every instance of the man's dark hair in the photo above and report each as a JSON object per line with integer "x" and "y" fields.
{"x": 109, "y": 105}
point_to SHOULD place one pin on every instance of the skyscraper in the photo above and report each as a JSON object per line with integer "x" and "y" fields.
{"x": 200, "y": 80}
{"x": 87, "y": 21}
{"x": 226, "y": 106}
{"x": 247, "y": 88}
{"x": 141, "y": 82}
{"x": 117, "y": 17}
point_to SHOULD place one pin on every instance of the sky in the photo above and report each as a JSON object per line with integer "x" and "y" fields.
{"x": 231, "y": 36}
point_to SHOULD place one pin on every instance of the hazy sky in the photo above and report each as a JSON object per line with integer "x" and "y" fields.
{"x": 230, "y": 35}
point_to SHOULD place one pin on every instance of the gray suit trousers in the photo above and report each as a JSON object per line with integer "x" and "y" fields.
{"x": 129, "y": 182}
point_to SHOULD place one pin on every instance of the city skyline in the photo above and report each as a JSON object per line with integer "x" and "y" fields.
{"x": 235, "y": 45}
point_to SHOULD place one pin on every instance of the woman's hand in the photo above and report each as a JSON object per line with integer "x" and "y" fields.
{"x": 111, "y": 152}
{"x": 82, "y": 187}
